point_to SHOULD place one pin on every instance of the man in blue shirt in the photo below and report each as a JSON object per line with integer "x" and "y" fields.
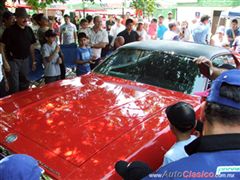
{"x": 161, "y": 27}
{"x": 201, "y": 31}
{"x": 233, "y": 32}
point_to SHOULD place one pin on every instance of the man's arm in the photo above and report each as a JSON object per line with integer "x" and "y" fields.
{"x": 5, "y": 80}
{"x": 4, "y": 57}
{"x": 32, "y": 51}
{"x": 99, "y": 45}
{"x": 60, "y": 36}
{"x": 49, "y": 57}
{"x": 75, "y": 34}
{"x": 213, "y": 72}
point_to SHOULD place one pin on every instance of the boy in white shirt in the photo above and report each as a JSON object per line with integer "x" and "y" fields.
{"x": 51, "y": 58}
{"x": 182, "y": 121}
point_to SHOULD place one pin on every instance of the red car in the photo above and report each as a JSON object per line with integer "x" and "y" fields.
{"x": 78, "y": 128}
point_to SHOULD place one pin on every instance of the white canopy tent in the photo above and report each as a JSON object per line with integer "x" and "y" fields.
{"x": 232, "y": 13}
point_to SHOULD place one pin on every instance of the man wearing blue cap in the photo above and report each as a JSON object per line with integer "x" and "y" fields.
{"x": 217, "y": 152}
{"x": 19, "y": 167}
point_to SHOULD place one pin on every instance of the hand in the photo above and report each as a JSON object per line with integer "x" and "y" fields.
{"x": 59, "y": 60}
{"x": 57, "y": 49}
{"x": 93, "y": 58}
{"x": 33, "y": 66}
{"x": 203, "y": 61}
{"x": 92, "y": 62}
{"x": 205, "y": 66}
{"x": 7, "y": 67}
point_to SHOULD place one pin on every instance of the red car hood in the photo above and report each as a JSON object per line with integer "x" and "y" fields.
{"x": 65, "y": 124}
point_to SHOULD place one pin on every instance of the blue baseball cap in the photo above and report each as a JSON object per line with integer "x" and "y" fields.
{"x": 231, "y": 77}
{"x": 19, "y": 167}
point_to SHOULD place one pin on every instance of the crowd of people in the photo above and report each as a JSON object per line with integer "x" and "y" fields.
{"x": 22, "y": 35}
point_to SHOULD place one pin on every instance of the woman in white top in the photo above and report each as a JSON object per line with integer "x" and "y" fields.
{"x": 185, "y": 34}
{"x": 141, "y": 31}
{"x": 219, "y": 39}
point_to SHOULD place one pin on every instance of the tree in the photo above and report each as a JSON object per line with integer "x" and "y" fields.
{"x": 145, "y": 7}
{"x": 37, "y": 4}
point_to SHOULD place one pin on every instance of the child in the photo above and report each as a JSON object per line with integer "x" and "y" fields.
{"x": 84, "y": 58}
{"x": 84, "y": 27}
{"x": 182, "y": 121}
{"x": 51, "y": 58}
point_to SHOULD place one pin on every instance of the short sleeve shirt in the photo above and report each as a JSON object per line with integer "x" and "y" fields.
{"x": 86, "y": 31}
{"x": 83, "y": 54}
{"x": 97, "y": 37}
{"x": 231, "y": 35}
{"x": 129, "y": 37}
{"x": 170, "y": 35}
{"x": 51, "y": 68}
{"x": 200, "y": 33}
{"x": 18, "y": 41}
{"x": 177, "y": 151}
{"x": 68, "y": 31}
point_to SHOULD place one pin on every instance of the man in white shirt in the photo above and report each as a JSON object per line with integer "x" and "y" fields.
{"x": 171, "y": 33}
{"x": 169, "y": 19}
{"x": 98, "y": 38}
{"x": 116, "y": 28}
{"x": 68, "y": 31}
{"x": 182, "y": 121}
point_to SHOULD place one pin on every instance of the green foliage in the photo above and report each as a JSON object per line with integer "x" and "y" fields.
{"x": 41, "y": 4}
{"x": 36, "y": 4}
{"x": 147, "y": 6}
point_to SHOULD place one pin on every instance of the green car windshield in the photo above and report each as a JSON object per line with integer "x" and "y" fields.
{"x": 163, "y": 69}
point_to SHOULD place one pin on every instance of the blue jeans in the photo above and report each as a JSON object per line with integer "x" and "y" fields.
{"x": 2, "y": 89}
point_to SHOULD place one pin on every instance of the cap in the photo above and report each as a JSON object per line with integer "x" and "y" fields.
{"x": 182, "y": 116}
{"x": 231, "y": 77}
{"x": 7, "y": 15}
{"x": 140, "y": 21}
{"x": 171, "y": 25}
{"x": 204, "y": 18}
{"x": 221, "y": 29}
{"x": 135, "y": 170}
{"x": 50, "y": 33}
{"x": 170, "y": 12}
{"x": 66, "y": 15}
{"x": 19, "y": 165}
{"x": 21, "y": 12}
